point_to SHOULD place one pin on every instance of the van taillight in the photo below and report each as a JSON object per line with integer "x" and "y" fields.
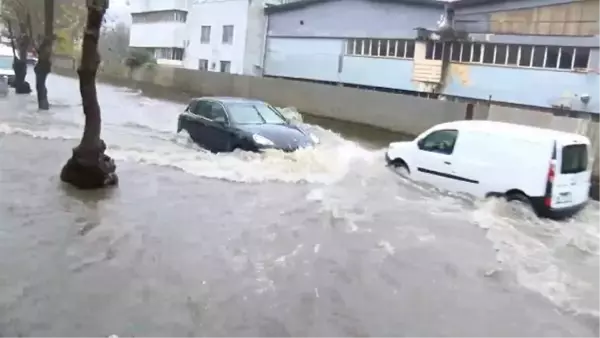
{"x": 551, "y": 173}
{"x": 549, "y": 181}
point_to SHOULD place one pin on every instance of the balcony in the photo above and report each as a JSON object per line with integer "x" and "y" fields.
{"x": 159, "y": 5}
{"x": 158, "y": 34}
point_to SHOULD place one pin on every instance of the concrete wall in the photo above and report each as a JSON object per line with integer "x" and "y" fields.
{"x": 406, "y": 114}
{"x": 395, "y": 112}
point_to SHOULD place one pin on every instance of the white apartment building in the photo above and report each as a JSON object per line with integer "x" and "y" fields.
{"x": 212, "y": 35}
{"x": 160, "y": 26}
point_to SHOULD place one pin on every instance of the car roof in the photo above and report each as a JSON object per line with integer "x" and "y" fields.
{"x": 515, "y": 130}
{"x": 229, "y": 99}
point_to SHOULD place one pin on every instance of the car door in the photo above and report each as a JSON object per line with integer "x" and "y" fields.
{"x": 195, "y": 120}
{"x": 434, "y": 159}
{"x": 186, "y": 118}
{"x": 218, "y": 132}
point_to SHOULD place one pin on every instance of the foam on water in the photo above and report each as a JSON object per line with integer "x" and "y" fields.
{"x": 326, "y": 163}
{"x": 560, "y": 260}
{"x": 557, "y": 259}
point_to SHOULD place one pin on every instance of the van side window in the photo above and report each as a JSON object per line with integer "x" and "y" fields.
{"x": 439, "y": 141}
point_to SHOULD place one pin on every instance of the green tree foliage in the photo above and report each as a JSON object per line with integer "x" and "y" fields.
{"x": 26, "y": 17}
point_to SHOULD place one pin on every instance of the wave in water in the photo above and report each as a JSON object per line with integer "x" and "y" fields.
{"x": 327, "y": 163}
{"x": 559, "y": 260}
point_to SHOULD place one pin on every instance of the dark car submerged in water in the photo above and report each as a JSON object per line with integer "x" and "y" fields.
{"x": 223, "y": 124}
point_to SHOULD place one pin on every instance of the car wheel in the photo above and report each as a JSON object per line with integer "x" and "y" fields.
{"x": 400, "y": 168}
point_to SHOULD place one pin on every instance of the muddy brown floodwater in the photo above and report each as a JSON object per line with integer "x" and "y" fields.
{"x": 324, "y": 242}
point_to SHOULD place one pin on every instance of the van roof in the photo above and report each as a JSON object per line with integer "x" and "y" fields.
{"x": 5, "y": 50}
{"x": 516, "y": 130}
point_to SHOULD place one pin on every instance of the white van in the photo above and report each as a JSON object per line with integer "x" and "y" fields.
{"x": 544, "y": 168}
{"x": 7, "y": 74}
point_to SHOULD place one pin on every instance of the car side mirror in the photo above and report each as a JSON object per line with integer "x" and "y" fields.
{"x": 420, "y": 143}
{"x": 221, "y": 122}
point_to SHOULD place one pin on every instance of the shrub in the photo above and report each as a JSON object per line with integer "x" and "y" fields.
{"x": 138, "y": 58}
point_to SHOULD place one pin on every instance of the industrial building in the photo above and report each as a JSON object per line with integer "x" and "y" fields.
{"x": 535, "y": 53}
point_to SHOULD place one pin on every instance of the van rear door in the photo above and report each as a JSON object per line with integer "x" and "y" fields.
{"x": 572, "y": 176}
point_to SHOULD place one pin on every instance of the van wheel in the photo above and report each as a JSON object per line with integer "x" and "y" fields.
{"x": 400, "y": 167}
{"x": 520, "y": 204}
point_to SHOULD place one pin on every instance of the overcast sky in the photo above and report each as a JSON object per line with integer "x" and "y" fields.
{"x": 118, "y": 12}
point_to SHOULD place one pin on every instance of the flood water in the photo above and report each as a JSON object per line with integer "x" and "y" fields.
{"x": 324, "y": 242}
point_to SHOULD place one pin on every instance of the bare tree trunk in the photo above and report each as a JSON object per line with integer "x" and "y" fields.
{"x": 11, "y": 33}
{"x": 89, "y": 167}
{"x": 44, "y": 64}
{"x": 20, "y": 61}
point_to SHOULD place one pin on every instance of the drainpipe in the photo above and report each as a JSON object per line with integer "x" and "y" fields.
{"x": 445, "y": 66}
{"x": 445, "y": 27}
{"x": 264, "y": 47}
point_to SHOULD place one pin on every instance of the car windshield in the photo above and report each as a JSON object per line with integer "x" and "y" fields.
{"x": 253, "y": 113}
{"x": 6, "y": 62}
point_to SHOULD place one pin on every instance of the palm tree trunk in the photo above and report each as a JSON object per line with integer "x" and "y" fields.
{"x": 44, "y": 64}
{"x": 89, "y": 167}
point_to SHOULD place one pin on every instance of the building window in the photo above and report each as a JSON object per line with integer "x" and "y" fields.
{"x": 202, "y": 64}
{"x": 388, "y": 48}
{"x": 227, "y": 38}
{"x": 550, "y": 57}
{"x": 159, "y": 16}
{"x": 225, "y": 67}
{"x": 181, "y": 16}
{"x": 205, "y": 34}
{"x": 168, "y": 53}
{"x": 434, "y": 50}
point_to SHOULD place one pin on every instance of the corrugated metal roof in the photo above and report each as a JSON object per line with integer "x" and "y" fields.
{"x": 427, "y": 3}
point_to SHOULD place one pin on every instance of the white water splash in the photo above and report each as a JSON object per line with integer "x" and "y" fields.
{"x": 556, "y": 259}
{"x": 326, "y": 163}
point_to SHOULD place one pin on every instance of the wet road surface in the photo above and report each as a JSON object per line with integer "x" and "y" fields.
{"x": 320, "y": 243}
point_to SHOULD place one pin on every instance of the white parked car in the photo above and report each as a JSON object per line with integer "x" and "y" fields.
{"x": 546, "y": 169}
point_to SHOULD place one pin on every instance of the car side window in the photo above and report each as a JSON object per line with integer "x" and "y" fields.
{"x": 191, "y": 107}
{"x": 439, "y": 141}
{"x": 217, "y": 112}
{"x": 202, "y": 108}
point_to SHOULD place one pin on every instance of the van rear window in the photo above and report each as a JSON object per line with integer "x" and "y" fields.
{"x": 574, "y": 159}
{"x": 6, "y": 62}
